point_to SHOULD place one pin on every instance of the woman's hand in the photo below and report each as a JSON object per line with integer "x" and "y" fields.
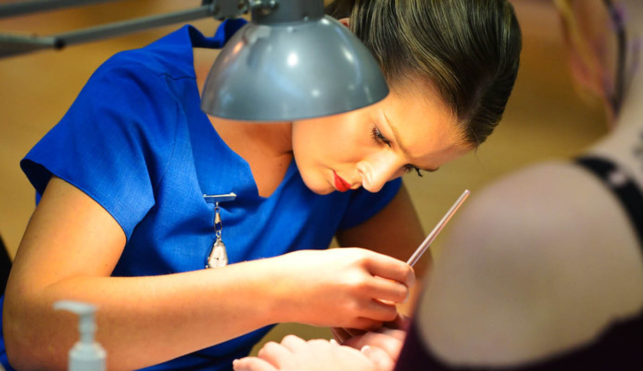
{"x": 345, "y": 287}
{"x": 295, "y": 354}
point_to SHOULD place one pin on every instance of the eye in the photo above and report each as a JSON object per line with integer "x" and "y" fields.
{"x": 377, "y": 136}
{"x": 409, "y": 168}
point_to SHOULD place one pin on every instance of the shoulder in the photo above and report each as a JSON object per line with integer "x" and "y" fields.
{"x": 129, "y": 97}
{"x": 553, "y": 223}
{"x": 542, "y": 207}
{"x": 170, "y": 56}
{"x": 125, "y": 76}
{"x": 150, "y": 69}
{"x": 521, "y": 259}
{"x": 518, "y": 218}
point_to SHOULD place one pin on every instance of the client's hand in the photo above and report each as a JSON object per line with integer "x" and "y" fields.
{"x": 342, "y": 335}
{"x": 295, "y": 354}
{"x": 387, "y": 339}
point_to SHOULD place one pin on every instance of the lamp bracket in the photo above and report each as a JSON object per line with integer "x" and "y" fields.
{"x": 228, "y": 8}
{"x": 264, "y": 7}
{"x": 272, "y": 12}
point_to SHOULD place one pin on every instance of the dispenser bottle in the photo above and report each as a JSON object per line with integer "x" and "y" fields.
{"x": 86, "y": 354}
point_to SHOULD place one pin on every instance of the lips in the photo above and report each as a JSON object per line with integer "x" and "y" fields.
{"x": 341, "y": 184}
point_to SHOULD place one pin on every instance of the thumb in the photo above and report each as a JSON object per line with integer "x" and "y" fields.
{"x": 382, "y": 360}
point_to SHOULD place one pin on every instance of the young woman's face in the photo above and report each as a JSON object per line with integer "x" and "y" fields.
{"x": 366, "y": 148}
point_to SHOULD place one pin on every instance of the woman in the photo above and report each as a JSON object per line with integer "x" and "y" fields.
{"x": 122, "y": 222}
{"x": 544, "y": 269}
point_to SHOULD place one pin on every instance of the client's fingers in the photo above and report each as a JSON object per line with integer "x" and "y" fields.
{"x": 379, "y": 357}
{"x": 391, "y": 341}
{"x": 293, "y": 343}
{"x": 273, "y": 353}
{"x": 252, "y": 364}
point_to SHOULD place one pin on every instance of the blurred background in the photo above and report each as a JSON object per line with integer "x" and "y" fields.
{"x": 545, "y": 118}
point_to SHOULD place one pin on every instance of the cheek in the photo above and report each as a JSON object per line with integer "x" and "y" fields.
{"x": 311, "y": 150}
{"x": 328, "y": 142}
{"x": 308, "y": 142}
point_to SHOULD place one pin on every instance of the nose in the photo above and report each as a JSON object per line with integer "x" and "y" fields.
{"x": 376, "y": 172}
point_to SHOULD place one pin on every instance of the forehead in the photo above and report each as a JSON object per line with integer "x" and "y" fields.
{"x": 425, "y": 124}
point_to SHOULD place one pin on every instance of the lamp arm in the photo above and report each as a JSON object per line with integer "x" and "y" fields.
{"x": 17, "y": 8}
{"x": 17, "y": 44}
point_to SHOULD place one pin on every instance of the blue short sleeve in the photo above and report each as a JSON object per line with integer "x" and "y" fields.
{"x": 113, "y": 144}
{"x": 363, "y": 204}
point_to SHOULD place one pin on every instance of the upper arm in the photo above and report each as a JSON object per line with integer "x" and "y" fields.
{"x": 69, "y": 235}
{"x": 521, "y": 259}
{"x": 96, "y": 170}
{"x": 395, "y": 230}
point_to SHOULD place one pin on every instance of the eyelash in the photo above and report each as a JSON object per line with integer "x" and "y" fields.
{"x": 377, "y": 136}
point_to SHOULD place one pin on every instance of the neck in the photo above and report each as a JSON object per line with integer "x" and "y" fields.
{"x": 625, "y": 143}
{"x": 267, "y": 139}
{"x": 632, "y": 109}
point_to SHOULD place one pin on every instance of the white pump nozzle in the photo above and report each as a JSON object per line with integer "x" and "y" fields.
{"x": 86, "y": 355}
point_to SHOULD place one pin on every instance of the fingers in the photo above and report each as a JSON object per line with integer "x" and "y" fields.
{"x": 380, "y": 311}
{"x": 384, "y": 289}
{"x": 390, "y": 341}
{"x": 387, "y": 267}
{"x": 293, "y": 343}
{"x": 366, "y": 324}
{"x": 321, "y": 344}
{"x": 395, "y": 333}
{"x": 273, "y": 353}
{"x": 252, "y": 364}
{"x": 400, "y": 322}
{"x": 379, "y": 357}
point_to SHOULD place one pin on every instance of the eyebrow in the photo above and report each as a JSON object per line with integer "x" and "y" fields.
{"x": 402, "y": 147}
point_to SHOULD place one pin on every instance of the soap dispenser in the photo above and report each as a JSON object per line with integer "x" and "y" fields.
{"x": 86, "y": 354}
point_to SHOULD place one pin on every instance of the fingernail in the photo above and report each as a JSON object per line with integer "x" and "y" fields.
{"x": 365, "y": 348}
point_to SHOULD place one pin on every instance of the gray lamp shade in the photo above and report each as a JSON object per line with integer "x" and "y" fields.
{"x": 290, "y": 71}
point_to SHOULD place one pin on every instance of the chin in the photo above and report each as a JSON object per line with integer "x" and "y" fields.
{"x": 318, "y": 187}
{"x": 322, "y": 191}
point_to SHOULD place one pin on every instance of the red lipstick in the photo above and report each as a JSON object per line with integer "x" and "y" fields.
{"x": 340, "y": 183}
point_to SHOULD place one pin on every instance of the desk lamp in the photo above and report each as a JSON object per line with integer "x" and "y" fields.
{"x": 290, "y": 62}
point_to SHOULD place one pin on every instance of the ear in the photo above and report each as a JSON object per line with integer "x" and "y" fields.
{"x": 345, "y": 22}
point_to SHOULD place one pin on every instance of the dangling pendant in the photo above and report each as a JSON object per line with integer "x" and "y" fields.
{"x": 218, "y": 256}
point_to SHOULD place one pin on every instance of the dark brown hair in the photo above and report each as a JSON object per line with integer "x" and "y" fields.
{"x": 468, "y": 50}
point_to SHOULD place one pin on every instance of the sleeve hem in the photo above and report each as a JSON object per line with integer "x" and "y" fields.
{"x": 76, "y": 185}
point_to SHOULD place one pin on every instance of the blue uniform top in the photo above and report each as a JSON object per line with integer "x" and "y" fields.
{"x": 137, "y": 142}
